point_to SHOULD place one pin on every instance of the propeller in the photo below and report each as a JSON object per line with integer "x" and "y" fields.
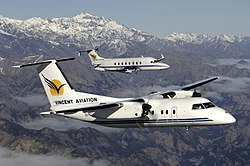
{"x": 196, "y": 94}
{"x": 145, "y": 109}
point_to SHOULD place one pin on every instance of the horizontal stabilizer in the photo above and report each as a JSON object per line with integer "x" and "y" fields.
{"x": 87, "y": 51}
{"x": 47, "y": 113}
{"x": 43, "y": 62}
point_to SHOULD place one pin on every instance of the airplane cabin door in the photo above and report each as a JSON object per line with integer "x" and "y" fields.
{"x": 174, "y": 114}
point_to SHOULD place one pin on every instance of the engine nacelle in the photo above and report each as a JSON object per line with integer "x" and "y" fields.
{"x": 186, "y": 94}
{"x": 181, "y": 94}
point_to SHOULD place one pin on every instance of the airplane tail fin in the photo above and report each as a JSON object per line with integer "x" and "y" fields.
{"x": 55, "y": 84}
{"x": 94, "y": 57}
{"x": 60, "y": 93}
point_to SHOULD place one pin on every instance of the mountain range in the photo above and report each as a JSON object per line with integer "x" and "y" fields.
{"x": 191, "y": 56}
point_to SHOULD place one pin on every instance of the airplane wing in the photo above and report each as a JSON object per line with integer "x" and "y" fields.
{"x": 126, "y": 69}
{"x": 73, "y": 109}
{"x": 199, "y": 83}
{"x": 171, "y": 94}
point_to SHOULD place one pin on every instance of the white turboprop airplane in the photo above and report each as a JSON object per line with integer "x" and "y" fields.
{"x": 159, "y": 109}
{"x": 126, "y": 65}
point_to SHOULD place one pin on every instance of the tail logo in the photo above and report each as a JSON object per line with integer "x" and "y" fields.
{"x": 56, "y": 87}
{"x": 93, "y": 56}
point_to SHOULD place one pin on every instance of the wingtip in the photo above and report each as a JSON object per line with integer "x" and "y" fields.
{"x": 216, "y": 77}
{"x": 18, "y": 66}
{"x": 47, "y": 113}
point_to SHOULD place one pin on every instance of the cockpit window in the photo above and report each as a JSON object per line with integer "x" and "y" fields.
{"x": 198, "y": 106}
{"x": 203, "y": 106}
{"x": 208, "y": 105}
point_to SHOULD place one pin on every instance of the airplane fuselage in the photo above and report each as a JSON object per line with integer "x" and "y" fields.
{"x": 194, "y": 111}
{"x": 129, "y": 64}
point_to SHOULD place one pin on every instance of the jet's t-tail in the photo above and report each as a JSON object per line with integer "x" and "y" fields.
{"x": 94, "y": 57}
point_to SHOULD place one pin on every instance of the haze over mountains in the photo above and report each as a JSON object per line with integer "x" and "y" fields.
{"x": 191, "y": 57}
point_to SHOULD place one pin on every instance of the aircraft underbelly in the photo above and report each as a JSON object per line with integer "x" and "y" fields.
{"x": 140, "y": 122}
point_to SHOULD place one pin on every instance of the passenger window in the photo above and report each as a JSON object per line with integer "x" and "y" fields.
{"x": 161, "y": 111}
{"x": 114, "y": 63}
{"x": 118, "y": 63}
{"x": 136, "y": 63}
{"x": 140, "y": 62}
{"x": 125, "y": 63}
{"x": 166, "y": 111}
{"x": 129, "y": 63}
{"x": 122, "y": 63}
{"x": 173, "y": 111}
{"x": 133, "y": 63}
{"x": 152, "y": 112}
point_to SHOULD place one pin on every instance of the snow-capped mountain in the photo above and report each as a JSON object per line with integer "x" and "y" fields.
{"x": 199, "y": 39}
{"x": 83, "y": 28}
{"x": 94, "y": 30}
{"x": 86, "y": 31}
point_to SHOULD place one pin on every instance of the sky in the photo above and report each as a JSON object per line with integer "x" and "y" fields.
{"x": 156, "y": 17}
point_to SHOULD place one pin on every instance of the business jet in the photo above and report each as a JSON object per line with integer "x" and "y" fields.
{"x": 125, "y": 65}
{"x": 159, "y": 109}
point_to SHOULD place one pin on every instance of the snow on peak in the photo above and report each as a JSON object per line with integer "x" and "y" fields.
{"x": 228, "y": 38}
{"x": 80, "y": 28}
{"x": 199, "y": 39}
{"x": 190, "y": 37}
{"x": 34, "y": 20}
{"x": 84, "y": 15}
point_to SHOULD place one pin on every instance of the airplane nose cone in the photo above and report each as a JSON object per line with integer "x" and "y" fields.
{"x": 165, "y": 66}
{"x": 230, "y": 119}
